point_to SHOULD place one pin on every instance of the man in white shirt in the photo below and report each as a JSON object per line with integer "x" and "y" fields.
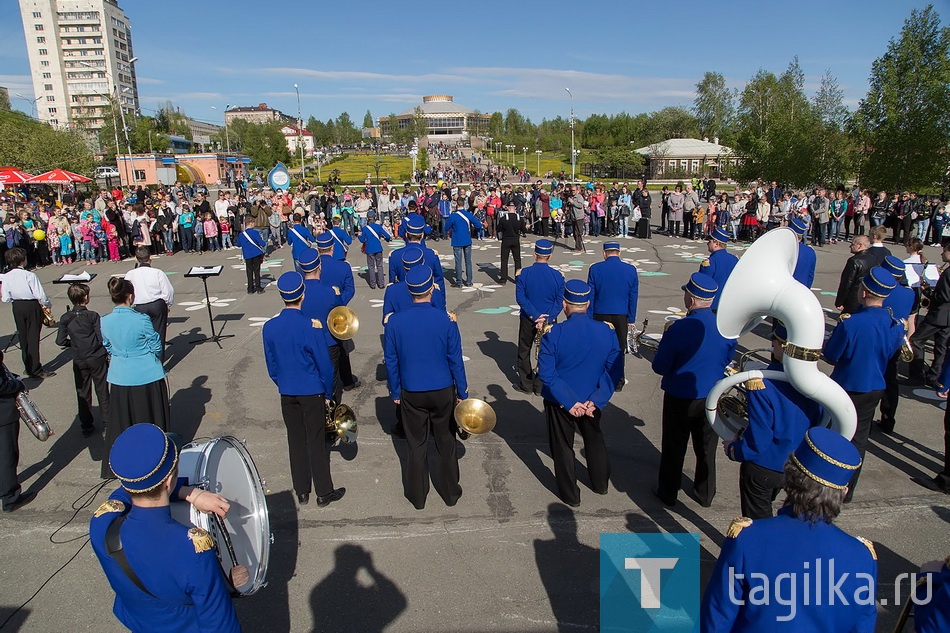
{"x": 154, "y": 294}
{"x": 23, "y": 289}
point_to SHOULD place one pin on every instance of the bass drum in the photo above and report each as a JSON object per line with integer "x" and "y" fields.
{"x": 223, "y": 465}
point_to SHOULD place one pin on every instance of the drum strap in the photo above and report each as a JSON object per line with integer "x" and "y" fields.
{"x": 114, "y": 548}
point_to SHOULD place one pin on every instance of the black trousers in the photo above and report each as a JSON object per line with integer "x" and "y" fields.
{"x": 579, "y": 235}
{"x": 526, "y": 373}
{"x": 892, "y": 393}
{"x": 305, "y": 419}
{"x": 86, "y": 373}
{"x": 424, "y": 412}
{"x": 509, "y": 249}
{"x": 253, "y": 270}
{"x": 157, "y": 311}
{"x": 685, "y": 420}
{"x": 9, "y": 450}
{"x": 337, "y": 381}
{"x": 940, "y": 334}
{"x": 619, "y": 321}
{"x": 865, "y": 404}
{"x": 561, "y": 426}
{"x": 28, "y": 317}
{"x": 758, "y": 488}
{"x": 545, "y": 227}
{"x": 345, "y": 369}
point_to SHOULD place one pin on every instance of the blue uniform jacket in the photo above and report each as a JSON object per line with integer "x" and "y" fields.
{"x": 373, "y": 243}
{"x": 785, "y": 544}
{"x": 692, "y": 355}
{"x": 429, "y": 258}
{"x": 404, "y": 224}
{"x": 616, "y": 286}
{"x": 539, "y": 289}
{"x": 341, "y": 242}
{"x": 397, "y": 298}
{"x": 579, "y": 361}
{"x": 188, "y": 589}
{"x": 318, "y": 300}
{"x": 338, "y": 274}
{"x": 423, "y": 352}
{"x": 300, "y": 239}
{"x": 297, "y": 357}
{"x": 251, "y": 243}
{"x": 934, "y": 616}
{"x": 778, "y": 418}
{"x": 719, "y": 266}
{"x": 459, "y": 230}
{"x": 134, "y": 345}
{"x": 901, "y": 301}
{"x": 805, "y": 266}
{"x": 860, "y": 346}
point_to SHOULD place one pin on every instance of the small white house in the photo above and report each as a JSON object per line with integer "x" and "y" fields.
{"x": 294, "y": 136}
{"x": 688, "y": 157}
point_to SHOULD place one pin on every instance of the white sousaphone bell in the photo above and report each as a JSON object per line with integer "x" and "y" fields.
{"x": 762, "y": 285}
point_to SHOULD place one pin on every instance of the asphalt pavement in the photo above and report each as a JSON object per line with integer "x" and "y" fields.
{"x": 509, "y": 556}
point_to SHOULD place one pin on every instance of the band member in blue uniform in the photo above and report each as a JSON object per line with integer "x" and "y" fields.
{"x": 253, "y": 251}
{"x": 720, "y": 263}
{"x": 797, "y": 571}
{"x": 398, "y": 297}
{"x": 415, "y": 233}
{"x": 413, "y": 221}
{"x": 426, "y": 375}
{"x": 300, "y": 239}
{"x": 901, "y": 303}
{"x": 942, "y": 480}
{"x": 805, "y": 265}
{"x": 166, "y": 576}
{"x": 372, "y": 237}
{"x": 616, "y": 287}
{"x": 859, "y": 348}
{"x": 779, "y": 416}
{"x": 934, "y": 616}
{"x": 318, "y": 300}
{"x": 691, "y": 358}
{"x": 459, "y": 227}
{"x": 299, "y": 364}
{"x": 338, "y": 274}
{"x": 539, "y": 290}
{"x": 341, "y": 240}
{"x": 579, "y": 367}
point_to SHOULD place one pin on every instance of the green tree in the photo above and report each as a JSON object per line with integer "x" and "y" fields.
{"x": 833, "y": 162}
{"x": 714, "y": 106}
{"x": 4, "y": 101}
{"x": 496, "y": 126}
{"x": 345, "y": 130}
{"x": 321, "y": 134}
{"x": 264, "y": 143}
{"x": 903, "y": 123}
{"x": 368, "y": 120}
{"x": 422, "y": 160}
{"x": 37, "y": 147}
{"x": 622, "y": 159}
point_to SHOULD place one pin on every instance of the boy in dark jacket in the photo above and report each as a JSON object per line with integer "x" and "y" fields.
{"x": 79, "y": 330}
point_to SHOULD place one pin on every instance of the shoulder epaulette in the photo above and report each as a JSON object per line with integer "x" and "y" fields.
{"x": 336, "y": 289}
{"x": 386, "y": 317}
{"x": 844, "y": 315}
{"x": 452, "y": 316}
{"x": 518, "y": 272}
{"x": 738, "y": 524}
{"x": 200, "y": 539}
{"x": 868, "y": 544}
{"x": 705, "y": 263}
{"x": 109, "y": 506}
{"x": 610, "y": 325}
{"x": 316, "y": 323}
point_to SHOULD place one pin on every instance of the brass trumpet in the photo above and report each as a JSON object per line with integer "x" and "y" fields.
{"x": 343, "y": 323}
{"x": 474, "y": 416}
{"x": 544, "y": 329}
{"x": 341, "y": 423}
{"x": 907, "y": 352}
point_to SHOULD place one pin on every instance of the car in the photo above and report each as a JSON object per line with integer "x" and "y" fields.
{"x": 107, "y": 171}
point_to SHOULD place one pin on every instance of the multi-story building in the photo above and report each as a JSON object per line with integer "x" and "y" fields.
{"x": 261, "y": 113}
{"x": 202, "y": 131}
{"x": 80, "y": 54}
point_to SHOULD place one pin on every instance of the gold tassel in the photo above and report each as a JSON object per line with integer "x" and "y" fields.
{"x": 201, "y": 539}
{"x": 111, "y": 505}
{"x": 754, "y": 384}
{"x": 738, "y": 524}
{"x": 869, "y": 545}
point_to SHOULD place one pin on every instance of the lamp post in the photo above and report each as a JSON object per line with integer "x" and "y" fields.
{"x": 303, "y": 167}
{"x": 538, "y": 152}
{"x": 573, "y": 151}
{"x": 125, "y": 128}
{"x": 36, "y": 113}
{"x": 227, "y": 136}
{"x": 524, "y": 158}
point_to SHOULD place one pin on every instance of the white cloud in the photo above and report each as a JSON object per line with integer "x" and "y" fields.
{"x": 347, "y": 75}
{"x": 149, "y": 81}
{"x": 17, "y": 83}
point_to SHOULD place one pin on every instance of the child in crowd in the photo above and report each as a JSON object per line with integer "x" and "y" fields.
{"x": 199, "y": 234}
{"x": 112, "y": 240}
{"x": 79, "y": 330}
{"x": 210, "y": 233}
{"x": 52, "y": 235}
{"x": 89, "y": 245}
{"x": 226, "y": 233}
{"x": 66, "y": 248}
{"x": 102, "y": 245}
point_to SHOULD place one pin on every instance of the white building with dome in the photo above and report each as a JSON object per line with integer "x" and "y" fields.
{"x": 445, "y": 120}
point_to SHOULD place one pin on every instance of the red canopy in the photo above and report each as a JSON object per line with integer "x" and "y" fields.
{"x": 57, "y": 177}
{"x": 13, "y": 176}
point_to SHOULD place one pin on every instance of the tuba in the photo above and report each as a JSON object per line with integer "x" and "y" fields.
{"x": 474, "y": 416}
{"x": 341, "y": 423}
{"x": 762, "y": 285}
{"x": 343, "y": 323}
{"x": 32, "y": 417}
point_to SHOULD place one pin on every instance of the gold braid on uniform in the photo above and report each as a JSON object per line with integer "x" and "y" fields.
{"x": 316, "y": 323}
{"x": 452, "y": 316}
{"x": 201, "y": 539}
{"x": 110, "y": 505}
{"x": 738, "y": 524}
{"x": 754, "y": 384}
{"x": 868, "y": 544}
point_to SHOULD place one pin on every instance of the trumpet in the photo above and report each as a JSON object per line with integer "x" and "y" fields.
{"x": 48, "y": 319}
{"x": 32, "y": 417}
{"x": 341, "y": 423}
{"x": 907, "y": 352}
{"x": 541, "y": 331}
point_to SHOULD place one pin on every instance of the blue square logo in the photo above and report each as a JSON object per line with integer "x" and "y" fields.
{"x": 649, "y": 583}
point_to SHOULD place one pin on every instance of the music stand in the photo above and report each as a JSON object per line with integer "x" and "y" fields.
{"x": 204, "y": 272}
{"x": 82, "y": 278}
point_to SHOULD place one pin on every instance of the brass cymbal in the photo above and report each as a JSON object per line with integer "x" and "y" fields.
{"x": 343, "y": 323}
{"x": 475, "y": 416}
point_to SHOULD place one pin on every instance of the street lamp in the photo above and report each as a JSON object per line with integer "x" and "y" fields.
{"x": 524, "y": 157}
{"x": 538, "y": 152}
{"x": 497, "y": 151}
{"x": 573, "y": 151}
{"x": 125, "y": 128}
{"x": 36, "y": 113}
{"x": 303, "y": 170}
{"x": 227, "y": 136}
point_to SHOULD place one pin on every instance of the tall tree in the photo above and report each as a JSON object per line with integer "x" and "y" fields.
{"x": 833, "y": 162}
{"x": 37, "y": 147}
{"x": 368, "y": 120}
{"x": 904, "y": 121}
{"x": 345, "y": 130}
{"x": 714, "y": 106}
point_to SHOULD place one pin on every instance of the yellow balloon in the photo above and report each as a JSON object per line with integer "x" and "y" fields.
{"x": 39, "y": 235}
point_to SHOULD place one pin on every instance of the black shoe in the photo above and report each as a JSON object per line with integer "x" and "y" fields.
{"x": 303, "y": 499}
{"x": 336, "y": 495}
{"x": 260, "y": 291}
{"x": 88, "y": 432}
{"x": 518, "y": 387}
{"x": 468, "y": 285}
{"x": 621, "y": 384}
{"x": 251, "y": 291}
{"x": 41, "y": 374}
{"x": 356, "y": 383}
{"x": 887, "y": 426}
{"x": 462, "y": 433}
{"x": 666, "y": 501}
{"x": 573, "y": 504}
{"x": 22, "y": 500}
{"x": 929, "y": 484}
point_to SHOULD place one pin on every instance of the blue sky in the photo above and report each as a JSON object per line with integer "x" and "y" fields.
{"x": 615, "y": 56}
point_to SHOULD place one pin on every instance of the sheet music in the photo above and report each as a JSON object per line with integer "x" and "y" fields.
{"x": 206, "y": 270}
{"x": 83, "y": 276}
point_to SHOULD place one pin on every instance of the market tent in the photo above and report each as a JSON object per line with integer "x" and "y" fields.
{"x": 57, "y": 177}
{"x": 13, "y": 176}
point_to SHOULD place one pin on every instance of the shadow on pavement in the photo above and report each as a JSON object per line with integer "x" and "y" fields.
{"x": 569, "y": 572}
{"x": 504, "y": 353}
{"x": 16, "y": 622}
{"x": 188, "y": 408}
{"x": 177, "y": 348}
{"x": 65, "y": 446}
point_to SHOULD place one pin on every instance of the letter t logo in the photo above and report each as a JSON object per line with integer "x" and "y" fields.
{"x": 650, "y": 569}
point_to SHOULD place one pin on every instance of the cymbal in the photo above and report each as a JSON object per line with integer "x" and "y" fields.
{"x": 475, "y": 416}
